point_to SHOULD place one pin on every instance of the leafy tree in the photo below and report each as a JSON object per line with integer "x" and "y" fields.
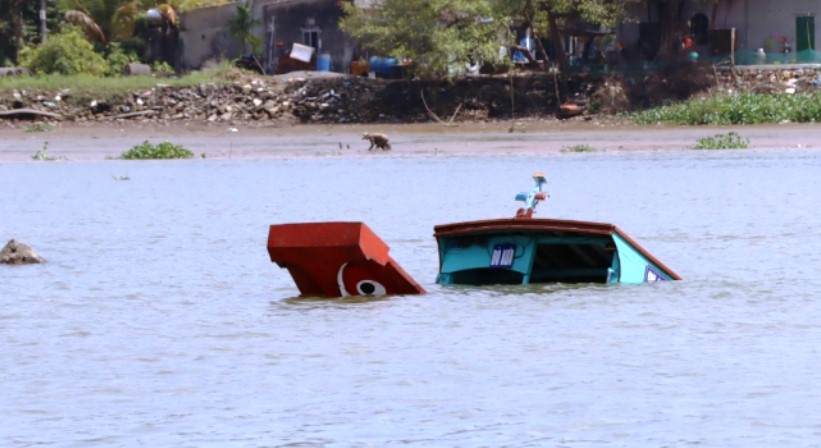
{"x": 549, "y": 17}
{"x": 241, "y": 27}
{"x": 437, "y": 35}
{"x": 67, "y": 53}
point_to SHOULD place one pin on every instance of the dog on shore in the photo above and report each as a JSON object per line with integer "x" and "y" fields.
{"x": 377, "y": 141}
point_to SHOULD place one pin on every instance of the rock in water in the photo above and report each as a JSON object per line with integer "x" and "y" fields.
{"x": 16, "y": 252}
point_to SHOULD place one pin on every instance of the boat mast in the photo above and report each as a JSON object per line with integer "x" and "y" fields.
{"x": 532, "y": 199}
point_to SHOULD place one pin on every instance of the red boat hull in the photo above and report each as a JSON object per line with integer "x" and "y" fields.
{"x": 338, "y": 259}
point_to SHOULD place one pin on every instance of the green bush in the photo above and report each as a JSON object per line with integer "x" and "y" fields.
{"x": 162, "y": 67}
{"x": 731, "y": 140}
{"x": 67, "y": 53}
{"x": 118, "y": 58}
{"x": 164, "y": 150}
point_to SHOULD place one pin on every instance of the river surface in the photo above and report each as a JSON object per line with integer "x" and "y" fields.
{"x": 160, "y": 321}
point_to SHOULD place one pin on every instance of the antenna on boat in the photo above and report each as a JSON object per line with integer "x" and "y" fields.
{"x": 532, "y": 199}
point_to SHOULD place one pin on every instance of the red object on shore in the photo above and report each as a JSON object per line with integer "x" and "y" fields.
{"x": 338, "y": 259}
{"x": 570, "y": 109}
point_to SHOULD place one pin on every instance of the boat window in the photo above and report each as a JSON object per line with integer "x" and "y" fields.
{"x": 571, "y": 263}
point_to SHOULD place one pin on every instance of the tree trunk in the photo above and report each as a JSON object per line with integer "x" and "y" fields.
{"x": 672, "y": 29}
{"x": 16, "y": 27}
{"x": 556, "y": 39}
{"x": 528, "y": 13}
{"x": 561, "y": 56}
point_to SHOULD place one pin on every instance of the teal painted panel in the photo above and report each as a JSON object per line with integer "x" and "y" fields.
{"x": 444, "y": 279}
{"x": 460, "y": 258}
{"x": 632, "y": 263}
{"x": 477, "y": 256}
{"x": 635, "y": 267}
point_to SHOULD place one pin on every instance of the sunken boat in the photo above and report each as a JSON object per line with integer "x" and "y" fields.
{"x": 527, "y": 250}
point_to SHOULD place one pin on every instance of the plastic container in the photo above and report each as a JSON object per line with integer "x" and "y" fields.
{"x": 323, "y": 62}
{"x": 382, "y": 65}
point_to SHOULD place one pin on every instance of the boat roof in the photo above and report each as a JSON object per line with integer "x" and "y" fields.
{"x": 530, "y": 225}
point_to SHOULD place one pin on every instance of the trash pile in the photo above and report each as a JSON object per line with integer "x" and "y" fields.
{"x": 774, "y": 80}
{"x": 326, "y": 100}
{"x": 296, "y": 98}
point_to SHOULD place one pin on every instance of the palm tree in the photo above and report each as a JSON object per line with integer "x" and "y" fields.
{"x": 113, "y": 19}
{"x": 241, "y": 28}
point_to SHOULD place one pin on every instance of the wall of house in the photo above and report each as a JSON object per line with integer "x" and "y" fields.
{"x": 281, "y": 23}
{"x": 291, "y": 22}
{"x": 204, "y": 36}
{"x": 758, "y": 23}
{"x": 770, "y": 19}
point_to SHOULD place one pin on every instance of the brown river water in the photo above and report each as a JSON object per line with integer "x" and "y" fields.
{"x": 159, "y": 320}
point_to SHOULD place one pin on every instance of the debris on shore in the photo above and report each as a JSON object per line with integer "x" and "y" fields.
{"x": 308, "y": 98}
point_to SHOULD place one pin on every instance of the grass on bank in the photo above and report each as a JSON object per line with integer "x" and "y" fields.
{"x": 102, "y": 87}
{"x": 741, "y": 108}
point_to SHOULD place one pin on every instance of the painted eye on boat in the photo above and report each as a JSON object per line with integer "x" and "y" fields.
{"x": 370, "y": 288}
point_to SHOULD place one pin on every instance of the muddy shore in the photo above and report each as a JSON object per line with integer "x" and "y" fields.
{"x": 100, "y": 142}
{"x": 304, "y": 115}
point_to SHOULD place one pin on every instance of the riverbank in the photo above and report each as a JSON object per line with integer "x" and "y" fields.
{"x": 96, "y": 142}
{"x": 332, "y": 98}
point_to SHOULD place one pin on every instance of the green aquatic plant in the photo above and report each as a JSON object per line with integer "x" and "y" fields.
{"x": 40, "y": 127}
{"x": 42, "y": 154}
{"x": 741, "y": 108}
{"x": 730, "y": 140}
{"x": 578, "y": 148}
{"x": 164, "y": 150}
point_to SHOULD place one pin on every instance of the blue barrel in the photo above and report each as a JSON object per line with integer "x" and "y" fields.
{"x": 382, "y": 65}
{"x": 323, "y": 62}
